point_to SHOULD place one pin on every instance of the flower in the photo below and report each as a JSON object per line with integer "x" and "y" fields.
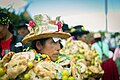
{"x": 31, "y": 24}
{"x": 59, "y": 25}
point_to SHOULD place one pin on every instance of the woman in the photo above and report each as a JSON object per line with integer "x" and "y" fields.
{"x": 45, "y": 36}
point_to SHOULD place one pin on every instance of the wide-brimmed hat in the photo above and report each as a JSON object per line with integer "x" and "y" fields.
{"x": 43, "y": 27}
{"x": 78, "y": 30}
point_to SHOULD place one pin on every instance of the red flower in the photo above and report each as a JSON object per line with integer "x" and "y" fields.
{"x": 59, "y": 25}
{"x": 31, "y": 24}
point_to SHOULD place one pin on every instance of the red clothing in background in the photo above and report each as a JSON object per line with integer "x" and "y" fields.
{"x": 5, "y": 45}
{"x": 110, "y": 70}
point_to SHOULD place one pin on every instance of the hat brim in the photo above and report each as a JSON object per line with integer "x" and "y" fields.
{"x": 32, "y": 37}
{"x": 79, "y": 32}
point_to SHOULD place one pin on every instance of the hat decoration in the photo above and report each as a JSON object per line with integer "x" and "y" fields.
{"x": 4, "y": 20}
{"x": 43, "y": 27}
{"x": 46, "y": 25}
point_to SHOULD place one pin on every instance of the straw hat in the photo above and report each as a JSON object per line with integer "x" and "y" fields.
{"x": 43, "y": 27}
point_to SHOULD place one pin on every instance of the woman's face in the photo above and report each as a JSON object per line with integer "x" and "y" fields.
{"x": 51, "y": 48}
{"x": 82, "y": 38}
{"x": 23, "y": 31}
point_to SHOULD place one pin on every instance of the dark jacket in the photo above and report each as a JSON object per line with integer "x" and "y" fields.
{"x": 15, "y": 45}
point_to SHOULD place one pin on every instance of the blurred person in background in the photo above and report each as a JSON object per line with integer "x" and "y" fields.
{"x": 79, "y": 33}
{"x": 23, "y": 31}
{"x": 8, "y": 41}
{"x": 113, "y": 43}
{"x": 108, "y": 65}
{"x": 116, "y": 57}
{"x": 101, "y": 47}
{"x": 22, "y": 28}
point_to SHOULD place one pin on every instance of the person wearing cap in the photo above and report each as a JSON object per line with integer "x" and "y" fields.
{"x": 79, "y": 33}
{"x": 45, "y": 35}
{"x": 100, "y": 46}
{"x": 8, "y": 41}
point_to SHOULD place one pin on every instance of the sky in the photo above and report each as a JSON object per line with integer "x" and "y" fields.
{"x": 89, "y": 13}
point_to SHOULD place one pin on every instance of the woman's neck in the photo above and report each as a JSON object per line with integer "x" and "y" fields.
{"x": 8, "y": 36}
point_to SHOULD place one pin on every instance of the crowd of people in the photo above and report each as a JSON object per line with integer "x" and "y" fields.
{"x": 44, "y": 36}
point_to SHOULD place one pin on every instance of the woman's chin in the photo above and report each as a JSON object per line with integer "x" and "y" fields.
{"x": 54, "y": 59}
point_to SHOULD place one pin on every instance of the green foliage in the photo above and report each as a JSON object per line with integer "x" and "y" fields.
{"x": 14, "y": 18}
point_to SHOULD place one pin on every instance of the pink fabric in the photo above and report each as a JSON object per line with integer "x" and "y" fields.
{"x": 116, "y": 54}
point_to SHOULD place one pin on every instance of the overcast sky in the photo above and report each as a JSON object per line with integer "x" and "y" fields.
{"x": 90, "y": 13}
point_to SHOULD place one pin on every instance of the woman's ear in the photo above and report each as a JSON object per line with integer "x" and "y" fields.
{"x": 38, "y": 46}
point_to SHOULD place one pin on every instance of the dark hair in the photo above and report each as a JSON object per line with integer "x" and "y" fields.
{"x": 42, "y": 42}
{"x": 11, "y": 28}
{"x": 65, "y": 27}
{"x": 22, "y": 23}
